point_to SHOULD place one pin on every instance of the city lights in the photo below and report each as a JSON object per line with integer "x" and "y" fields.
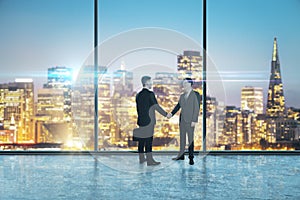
{"x": 63, "y": 114}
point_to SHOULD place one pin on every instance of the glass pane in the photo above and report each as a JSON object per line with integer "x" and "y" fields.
{"x": 43, "y": 45}
{"x": 247, "y": 39}
{"x": 144, "y": 38}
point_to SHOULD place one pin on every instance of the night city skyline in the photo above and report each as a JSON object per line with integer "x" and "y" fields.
{"x": 63, "y": 111}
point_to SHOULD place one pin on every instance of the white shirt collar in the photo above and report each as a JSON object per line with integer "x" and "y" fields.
{"x": 188, "y": 93}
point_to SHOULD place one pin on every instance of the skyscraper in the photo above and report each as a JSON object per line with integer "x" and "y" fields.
{"x": 51, "y": 103}
{"x": 252, "y": 99}
{"x": 245, "y": 127}
{"x": 60, "y": 77}
{"x": 166, "y": 87}
{"x": 190, "y": 65}
{"x": 280, "y": 126}
{"x": 83, "y": 105}
{"x": 211, "y": 121}
{"x": 122, "y": 105}
{"x": 276, "y": 102}
{"x": 123, "y": 83}
{"x": 53, "y": 115}
{"x": 16, "y": 102}
{"x": 229, "y": 135}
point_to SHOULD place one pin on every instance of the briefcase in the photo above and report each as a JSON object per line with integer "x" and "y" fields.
{"x": 142, "y": 132}
{"x": 137, "y": 134}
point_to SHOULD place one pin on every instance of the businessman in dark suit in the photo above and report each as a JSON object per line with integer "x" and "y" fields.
{"x": 146, "y": 105}
{"x": 189, "y": 102}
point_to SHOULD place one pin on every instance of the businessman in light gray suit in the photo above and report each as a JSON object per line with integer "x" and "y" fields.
{"x": 189, "y": 102}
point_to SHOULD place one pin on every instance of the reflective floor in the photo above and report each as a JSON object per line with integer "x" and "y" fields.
{"x": 121, "y": 177}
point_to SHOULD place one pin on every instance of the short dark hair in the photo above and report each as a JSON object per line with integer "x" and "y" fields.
{"x": 189, "y": 80}
{"x": 145, "y": 79}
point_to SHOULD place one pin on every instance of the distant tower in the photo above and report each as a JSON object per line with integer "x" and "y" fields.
{"x": 190, "y": 65}
{"x": 276, "y": 103}
{"x": 59, "y": 79}
{"x": 17, "y": 99}
{"x": 12, "y": 127}
{"x": 123, "y": 82}
{"x": 252, "y": 99}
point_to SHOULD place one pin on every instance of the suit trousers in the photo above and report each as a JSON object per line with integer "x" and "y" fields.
{"x": 145, "y": 145}
{"x": 186, "y": 129}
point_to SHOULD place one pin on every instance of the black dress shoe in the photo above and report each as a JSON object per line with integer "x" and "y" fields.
{"x": 150, "y": 160}
{"x": 178, "y": 158}
{"x": 142, "y": 161}
{"x": 191, "y": 161}
{"x": 152, "y": 163}
{"x": 142, "y": 158}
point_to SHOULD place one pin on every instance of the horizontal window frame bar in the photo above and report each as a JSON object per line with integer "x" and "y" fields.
{"x": 103, "y": 153}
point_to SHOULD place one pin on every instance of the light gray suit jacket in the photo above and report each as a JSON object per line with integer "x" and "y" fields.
{"x": 189, "y": 107}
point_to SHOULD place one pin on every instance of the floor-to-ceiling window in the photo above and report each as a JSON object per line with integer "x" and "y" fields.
{"x": 254, "y": 46}
{"x": 43, "y": 45}
{"x": 161, "y": 39}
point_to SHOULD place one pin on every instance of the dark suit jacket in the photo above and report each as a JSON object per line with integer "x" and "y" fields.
{"x": 189, "y": 107}
{"x": 146, "y": 105}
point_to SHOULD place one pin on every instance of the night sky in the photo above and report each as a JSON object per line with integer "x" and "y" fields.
{"x": 38, "y": 34}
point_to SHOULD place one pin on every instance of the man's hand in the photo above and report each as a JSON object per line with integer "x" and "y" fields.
{"x": 193, "y": 124}
{"x": 169, "y": 115}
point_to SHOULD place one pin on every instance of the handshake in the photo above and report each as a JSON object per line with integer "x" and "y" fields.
{"x": 169, "y": 115}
